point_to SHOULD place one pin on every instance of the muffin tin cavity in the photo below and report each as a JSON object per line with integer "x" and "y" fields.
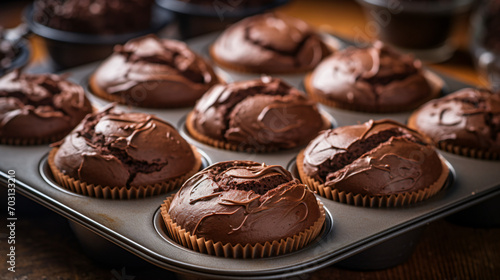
{"x": 327, "y": 230}
{"x": 448, "y": 185}
{"x": 46, "y": 173}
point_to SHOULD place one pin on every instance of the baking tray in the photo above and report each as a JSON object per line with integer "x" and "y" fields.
{"x": 136, "y": 225}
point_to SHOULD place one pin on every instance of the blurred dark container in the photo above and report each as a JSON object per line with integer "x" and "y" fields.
{"x": 486, "y": 59}
{"x": 70, "y": 49}
{"x": 22, "y": 58}
{"x": 198, "y": 19}
{"x": 422, "y": 27}
{"x": 487, "y": 62}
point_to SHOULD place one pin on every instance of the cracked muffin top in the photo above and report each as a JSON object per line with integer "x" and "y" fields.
{"x": 153, "y": 72}
{"x": 269, "y": 43}
{"x": 375, "y": 158}
{"x": 256, "y": 115}
{"x": 466, "y": 118}
{"x": 244, "y": 202}
{"x": 39, "y": 107}
{"x": 373, "y": 79}
{"x": 112, "y": 148}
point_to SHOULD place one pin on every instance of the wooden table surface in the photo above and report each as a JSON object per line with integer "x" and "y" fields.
{"x": 47, "y": 249}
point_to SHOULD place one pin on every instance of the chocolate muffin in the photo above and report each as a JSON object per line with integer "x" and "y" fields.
{"x": 259, "y": 115}
{"x": 375, "y": 79}
{"x": 112, "y": 154}
{"x": 243, "y": 209}
{"x": 269, "y": 43}
{"x": 378, "y": 163}
{"x": 466, "y": 122}
{"x": 39, "y": 109}
{"x": 94, "y": 16}
{"x": 153, "y": 72}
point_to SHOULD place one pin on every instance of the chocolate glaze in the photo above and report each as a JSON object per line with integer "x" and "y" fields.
{"x": 244, "y": 202}
{"x": 153, "y": 72}
{"x": 375, "y": 158}
{"x": 40, "y": 106}
{"x": 94, "y": 16}
{"x": 466, "y": 118}
{"x": 259, "y": 113}
{"x": 270, "y": 43}
{"x": 111, "y": 148}
{"x": 375, "y": 78}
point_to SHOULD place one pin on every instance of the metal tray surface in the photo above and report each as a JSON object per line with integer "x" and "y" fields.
{"x": 136, "y": 226}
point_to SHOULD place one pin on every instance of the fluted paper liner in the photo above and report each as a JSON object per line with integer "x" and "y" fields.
{"x": 119, "y": 192}
{"x": 468, "y": 152}
{"x": 97, "y": 91}
{"x": 435, "y": 82}
{"x": 123, "y": 99}
{"x": 395, "y": 200}
{"x": 456, "y": 149}
{"x": 33, "y": 140}
{"x": 234, "y": 147}
{"x": 245, "y": 251}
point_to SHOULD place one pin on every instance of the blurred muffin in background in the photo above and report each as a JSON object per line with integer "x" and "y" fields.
{"x": 39, "y": 109}
{"x": 270, "y": 43}
{"x": 465, "y": 122}
{"x": 376, "y": 79}
{"x": 94, "y": 16}
{"x": 153, "y": 72}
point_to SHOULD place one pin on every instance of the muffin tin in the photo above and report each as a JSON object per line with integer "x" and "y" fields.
{"x": 365, "y": 233}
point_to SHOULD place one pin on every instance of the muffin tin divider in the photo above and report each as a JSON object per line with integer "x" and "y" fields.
{"x": 134, "y": 224}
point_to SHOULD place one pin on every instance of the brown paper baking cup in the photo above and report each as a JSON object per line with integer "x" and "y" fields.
{"x": 435, "y": 82}
{"x": 126, "y": 99}
{"x": 97, "y": 91}
{"x": 233, "y": 147}
{"x": 245, "y": 251}
{"x": 395, "y": 200}
{"x": 116, "y": 192}
{"x": 468, "y": 152}
{"x": 32, "y": 141}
